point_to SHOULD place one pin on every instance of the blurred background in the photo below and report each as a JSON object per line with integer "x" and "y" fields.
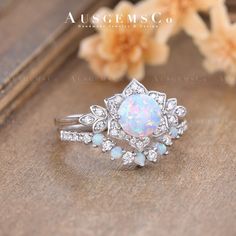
{"x": 50, "y": 188}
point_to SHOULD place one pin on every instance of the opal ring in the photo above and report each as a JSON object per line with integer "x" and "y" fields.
{"x": 135, "y": 126}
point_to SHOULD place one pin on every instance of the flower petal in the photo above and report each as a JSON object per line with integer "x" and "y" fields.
{"x": 165, "y": 31}
{"x": 104, "y": 52}
{"x": 204, "y": 5}
{"x": 124, "y": 7}
{"x": 210, "y": 66}
{"x": 136, "y": 70}
{"x": 135, "y": 54}
{"x": 156, "y": 53}
{"x": 145, "y": 7}
{"x": 195, "y": 26}
{"x": 115, "y": 70}
{"x": 233, "y": 27}
{"x": 88, "y": 46}
{"x": 219, "y": 17}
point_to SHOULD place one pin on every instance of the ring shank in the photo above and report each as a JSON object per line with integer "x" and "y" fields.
{"x": 71, "y": 123}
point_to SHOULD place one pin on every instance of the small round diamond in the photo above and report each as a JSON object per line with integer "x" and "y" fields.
{"x": 114, "y": 132}
{"x": 140, "y": 145}
{"x": 87, "y": 138}
{"x": 118, "y": 99}
{"x": 181, "y": 111}
{"x": 107, "y": 145}
{"x": 173, "y": 119}
{"x": 128, "y": 158}
{"x": 152, "y": 155}
{"x": 167, "y": 140}
{"x": 116, "y": 153}
{"x": 171, "y": 104}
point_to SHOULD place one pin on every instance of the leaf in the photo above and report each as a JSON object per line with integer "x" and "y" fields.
{"x": 134, "y": 87}
{"x": 87, "y": 119}
{"x": 98, "y": 111}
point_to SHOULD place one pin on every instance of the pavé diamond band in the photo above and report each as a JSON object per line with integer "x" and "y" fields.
{"x": 145, "y": 120}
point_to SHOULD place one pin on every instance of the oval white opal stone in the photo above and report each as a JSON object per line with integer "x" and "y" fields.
{"x": 139, "y": 115}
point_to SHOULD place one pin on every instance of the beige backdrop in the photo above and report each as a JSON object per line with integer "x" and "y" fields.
{"x": 52, "y": 188}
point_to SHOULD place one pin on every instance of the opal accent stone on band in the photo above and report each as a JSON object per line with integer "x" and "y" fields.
{"x": 139, "y": 115}
{"x": 97, "y": 139}
{"x": 161, "y": 148}
{"x": 116, "y": 153}
{"x": 174, "y": 132}
{"x": 139, "y": 159}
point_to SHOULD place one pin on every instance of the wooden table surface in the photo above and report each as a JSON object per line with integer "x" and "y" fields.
{"x": 25, "y": 29}
{"x": 35, "y": 42}
{"x": 53, "y": 188}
